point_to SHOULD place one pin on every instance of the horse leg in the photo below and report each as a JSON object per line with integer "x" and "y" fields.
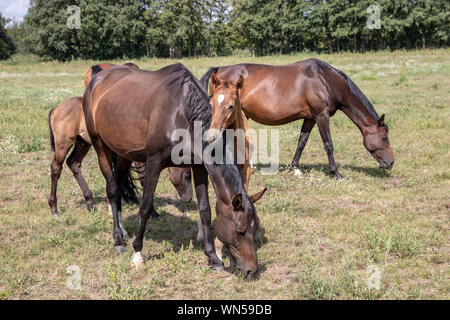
{"x": 61, "y": 151}
{"x": 140, "y": 169}
{"x": 323, "y": 123}
{"x": 123, "y": 167}
{"x": 153, "y": 169}
{"x": 104, "y": 155}
{"x": 74, "y": 163}
{"x": 307, "y": 126}
{"x": 201, "y": 189}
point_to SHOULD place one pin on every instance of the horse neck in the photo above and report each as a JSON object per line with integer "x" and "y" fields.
{"x": 238, "y": 123}
{"x": 356, "y": 111}
{"x": 222, "y": 187}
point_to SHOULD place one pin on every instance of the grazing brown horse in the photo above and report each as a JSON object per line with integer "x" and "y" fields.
{"x": 67, "y": 130}
{"x": 134, "y": 114}
{"x": 310, "y": 90}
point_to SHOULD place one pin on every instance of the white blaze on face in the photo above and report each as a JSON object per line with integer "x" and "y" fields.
{"x": 220, "y": 98}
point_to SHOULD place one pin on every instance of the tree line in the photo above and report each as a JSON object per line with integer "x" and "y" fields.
{"x": 190, "y": 28}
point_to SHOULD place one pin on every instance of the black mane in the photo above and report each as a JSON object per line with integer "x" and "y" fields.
{"x": 357, "y": 92}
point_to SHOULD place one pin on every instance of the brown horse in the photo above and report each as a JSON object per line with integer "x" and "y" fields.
{"x": 310, "y": 90}
{"x": 67, "y": 130}
{"x": 134, "y": 114}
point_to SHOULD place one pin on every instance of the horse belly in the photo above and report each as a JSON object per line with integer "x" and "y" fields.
{"x": 125, "y": 134}
{"x": 270, "y": 110}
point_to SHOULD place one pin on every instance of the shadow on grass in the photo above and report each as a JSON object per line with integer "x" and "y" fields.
{"x": 178, "y": 230}
{"x": 307, "y": 168}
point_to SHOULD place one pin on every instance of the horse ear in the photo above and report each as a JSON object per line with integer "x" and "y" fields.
{"x": 240, "y": 82}
{"x": 214, "y": 82}
{"x": 237, "y": 202}
{"x": 381, "y": 120}
{"x": 258, "y": 195}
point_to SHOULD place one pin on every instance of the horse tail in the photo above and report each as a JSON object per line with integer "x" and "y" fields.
{"x": 127, "y": 187}
{"x": 205, "y": 79}
{"x": 52, "y": 136}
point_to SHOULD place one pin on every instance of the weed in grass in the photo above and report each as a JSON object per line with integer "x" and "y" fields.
{"x": 29, "y": 145}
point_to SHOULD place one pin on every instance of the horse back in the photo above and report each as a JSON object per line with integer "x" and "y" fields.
{"x": 275, "y": 95}
{"x": 126, "y": 107}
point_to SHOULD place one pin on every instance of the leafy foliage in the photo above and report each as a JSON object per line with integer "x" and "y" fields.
{"x": 7, "y": 47}
{"x": 177, "y": 28}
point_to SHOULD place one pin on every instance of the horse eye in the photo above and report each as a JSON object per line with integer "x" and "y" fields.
{"x": 231, "y": 107}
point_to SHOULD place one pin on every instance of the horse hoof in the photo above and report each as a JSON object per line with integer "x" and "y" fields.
{"x": 339, "y": 176}
{"x": 137, "y": 262}
{"x": 120, "y": 248}
{"x": 90, "y": 207}
{"x": 218, "y": 267}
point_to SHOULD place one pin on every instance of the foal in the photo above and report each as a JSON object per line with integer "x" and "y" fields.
{"x": 227, "y": 113}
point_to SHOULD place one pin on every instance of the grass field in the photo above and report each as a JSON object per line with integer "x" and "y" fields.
{"x": 320, "y": 238}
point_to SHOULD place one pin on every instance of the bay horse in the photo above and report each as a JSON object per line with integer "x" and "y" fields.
{"x": 311, "y": 90}
{"x": 133, "y": 113}
{"x": 68, "y": 129}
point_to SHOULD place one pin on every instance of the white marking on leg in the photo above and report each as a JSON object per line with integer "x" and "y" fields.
{"x": 137, "y": 260}
{"x": 218, "y": 245}
{"x": 200, "y": 230}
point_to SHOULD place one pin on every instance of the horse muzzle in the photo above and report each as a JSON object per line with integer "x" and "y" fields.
{"x": 386, "y": 164}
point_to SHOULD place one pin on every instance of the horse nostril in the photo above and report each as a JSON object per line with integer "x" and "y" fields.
{"x": 249, "y": 272}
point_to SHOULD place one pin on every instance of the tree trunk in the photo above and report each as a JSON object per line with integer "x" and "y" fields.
{"x": 330, "y": 47}
{"x": 180, "y": 53}
{"x": 252, "y": 49}
{"x": 281, "y": 42}
{"x": 171, "y": 51}
{"x": 299, "y": 43}
{"x": 423, "y": 41}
